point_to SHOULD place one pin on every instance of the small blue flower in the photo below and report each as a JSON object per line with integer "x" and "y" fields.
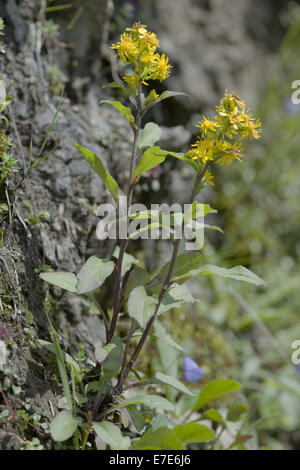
{"x": 290, "y": 107}
{"x": 191, "y": 371}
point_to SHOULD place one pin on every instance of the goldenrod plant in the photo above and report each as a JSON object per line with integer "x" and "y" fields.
{"x": 100, "y": 402}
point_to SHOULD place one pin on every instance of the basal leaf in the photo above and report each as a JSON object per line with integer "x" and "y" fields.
{"x": 63, "y": 426}
{"x": 111, "y": 435}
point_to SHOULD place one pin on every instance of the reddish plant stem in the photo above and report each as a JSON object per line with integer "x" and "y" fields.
{"x": 126, "y": 369}
{"x": 124, "y": 242}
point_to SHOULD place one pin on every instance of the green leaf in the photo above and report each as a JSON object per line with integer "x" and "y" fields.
{"x": 115, "y": 85}
{"x": 5, "y": 102}
{"x": 114, "y": 360}
{"x": 169, "y": 341}
{"x": 67, "y": 358}
{"x": 151, "y": 158}
{"x": 137, "y": 233}
{"x": 137, "y": 418}
{"x": 124, "y": 110}
{"x": 166, "y": 94}
{"x": 63, "y": 426}
{"x": 175, "y": 297}
{"x": 93, "y": 274}
{"x": 214, "y": 415}
{"x": 236, "y": 411}
{"x": 239, "y": 273}
{"x": 128, "y": 260}
{"x": 215, "y": 389}
{"x": 165, "y": 339}
{"x": 111, "y": 435}
{"x": 183, "y": 158}
{"x": 101, "y": 353}
{"x": 61, "y": 367}
{"x": 183, "y": 265}
{"x": 140, "y": 306}
{"x": 161, "y": 421}
{"x": 137, "y": 277}
{"x": 96, "y": 164}
{"x": 149, "y": 135}
{"x": 197, "y": 208}
{"x": 170, "y": 94}
{"x": 173, "y": 382}
{"x": 167, "y": 354}
{"x": 63, "y": 279}
{"x": 161, "y": 438}
{"x": 193, "y": 432}
{"x": 152, "y": 401}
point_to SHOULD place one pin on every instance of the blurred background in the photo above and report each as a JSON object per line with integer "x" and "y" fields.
{"x": 249, "y": 47}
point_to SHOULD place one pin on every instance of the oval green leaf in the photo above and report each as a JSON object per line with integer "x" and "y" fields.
{"x": 62, "y": 279}
{"x": 63, "y": 426}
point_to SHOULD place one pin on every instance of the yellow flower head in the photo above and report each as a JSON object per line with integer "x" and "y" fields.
{"x": 203, "y": 150}
{"x": 138, "y": 46}
{"x": 208, "y": 128}
{"x": 232, "y": 152}
{"x": 230, "y": 102}
{"x": 127, "y": 48}
{"x": 220, "y": 139}
{"x": 137, "y": 30}
{"x": 160, "y": 69}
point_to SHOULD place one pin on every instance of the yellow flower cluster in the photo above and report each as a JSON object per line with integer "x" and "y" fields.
{"x": 137, "y": 46}
{"x": 220, "y": 139}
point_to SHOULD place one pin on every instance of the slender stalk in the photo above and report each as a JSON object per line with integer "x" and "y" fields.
{"x": 124, "y": 242}
{"x": 127, "y": 344}
{"x": 141, "y": 343}
{"x": 125, "y": 371}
